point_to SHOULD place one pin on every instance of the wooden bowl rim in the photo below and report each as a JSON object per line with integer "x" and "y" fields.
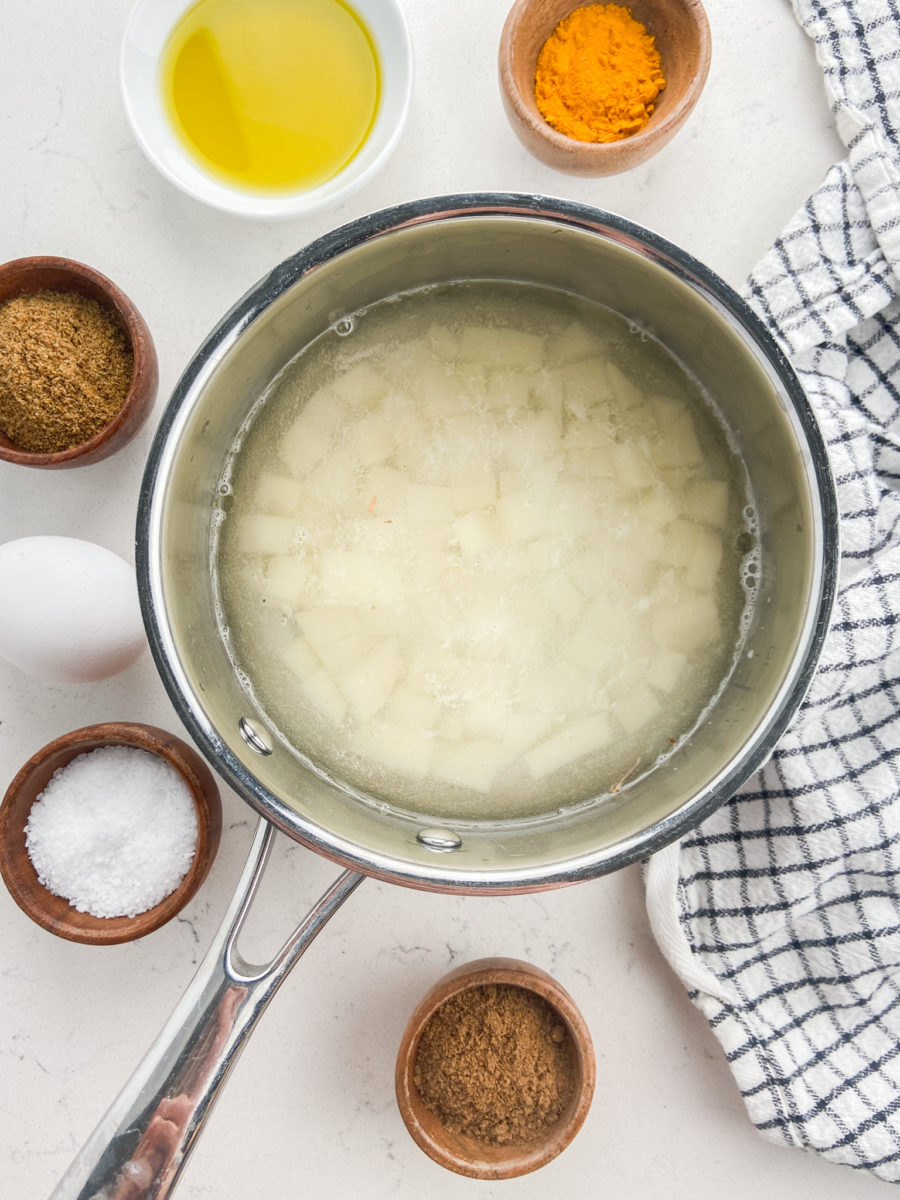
{"x": 515, "y": 1160}
{"x": 53, "y": 912}
{"x": 145, "y": 367}
{"x": 656, "y": 130}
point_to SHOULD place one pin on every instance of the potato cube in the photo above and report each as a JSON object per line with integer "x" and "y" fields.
{"x": 519, "y": 518}
{"x": 338, "y": 636}
{"x": 707, "y": 500}
{"x": 442, "y": 342}
{"x": 473, "y": 486}
{"x": 686, "y": 624}
{"x": 679, "y": 447}
{"x": 369, "y": 685}
{"x": 324, "y": 695}
{"x": 348, "y": 578}
{"x": 632, "y": 467}
{"x": 500, "y": 347}
{"x": 509, "y": 390}
{"x": 665, "y": 669}
{"x": 360, "y": 387}
{"x": 470, "y": 764}
{"x": 564, "y": 597}
{"x": 636, "y": 707}
{"x": 656, "y": 510}
{"x": 625, "y": 393}
{"x": 300, "y": 658}
{"x": 585, "y": 385}
{"x": 292, "y": 579}
{"x": 475, "y": 533}
{"x": 369, "y": 440}
{"x": 262, "y": 533}
{"x": 303, "y": 446}
{"x": 396, "y": 747}
{"x": 277, "y": 494}
{"x": 704, "y": 560}
{"x": 411, "y": 709}
{"x": 388, "y": 487}
{"x": 576, "y": 342}
{"x": 572, "y": 741}
{"x": 430, "y": 502}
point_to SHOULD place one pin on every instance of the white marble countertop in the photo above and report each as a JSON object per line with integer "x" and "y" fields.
{"x": 310, "y": 1106}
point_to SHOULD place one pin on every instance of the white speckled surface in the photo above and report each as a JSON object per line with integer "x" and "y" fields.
{"x": 310, "y": 1108}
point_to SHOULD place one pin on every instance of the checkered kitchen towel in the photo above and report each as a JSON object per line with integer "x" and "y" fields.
{"x": 781, "y": 913}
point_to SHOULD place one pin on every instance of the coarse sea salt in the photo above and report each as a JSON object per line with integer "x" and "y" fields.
{"x": 113, "y": 832}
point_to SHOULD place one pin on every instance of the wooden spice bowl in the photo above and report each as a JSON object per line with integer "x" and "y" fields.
{"x": 24, "y": 276}
{"x": 681, "y": 30}
{"x": 466, "y": 1155}
{"x": 53, "y": 912}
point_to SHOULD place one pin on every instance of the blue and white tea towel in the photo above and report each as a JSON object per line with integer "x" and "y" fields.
{"x": 781, "y": 913}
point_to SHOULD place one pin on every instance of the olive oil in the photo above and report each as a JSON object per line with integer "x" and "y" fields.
{"x": 271, "y": 95}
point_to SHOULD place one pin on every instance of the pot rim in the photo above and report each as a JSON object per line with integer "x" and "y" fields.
{"x": 442, "y": 877}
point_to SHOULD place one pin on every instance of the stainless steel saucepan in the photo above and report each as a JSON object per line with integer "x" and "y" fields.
{"x": 141, "y": 1145}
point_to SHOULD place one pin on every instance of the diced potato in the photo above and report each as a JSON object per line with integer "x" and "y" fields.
{"x": 396, "y": 747}
{"x": 704, "y": 560}
{"x": 292, "y": 580}
{"x": 508, "y": 389}
{"x": 576, "y": 342}
{"x": 550, "y": 393}
{"x": 348, "y": 578}
{"x": 303, "y": 446}
{"x": 687, "y": 624}
{"x": 544, "y": 554}
{"x": 261, "y": 533}
{"x": 667, "y": 412}
{"x": 442, "y": 342}
{"x": 369, "y": 685}
{"x": 324, "y": 695}
{"x": 485, "y": 718}
{"x": 584, "y": 385}
{"x": 531, "y": 440}
{"x": 679, "y": 447}
{"x": 335, "y": 482}
{"x": 338, "y": 636}
{"x": 656, "y": 510}
{"x": 571, "y": 742}
{"x": 323, "y": 410}
{"x": 369, "y": 440}
{"x": 475, "y": 533}
{"x": 665, "y": 669}
{"x": 361, "y": 386}
{"x": 632, "y": 467}
{"x": 563, "y": 595}
{"x": 625, "y": 393}
{"x": 473, "y": 487}
{"x": 635, "y": 707}
{"x": 583, "y": 435}
{"x": 300, "y": 658}
{"x": 430, "y": 502}
{"x": 587, "y": 463}
{"x": 469, "y": 764}
{"x": 451, "y": 724}
{"x": 523, "y": 729}
{"x": 411, "y": 709}
{"x": 707, "y": 500}
{"x": 277, "y": 494}
{"x": 437, "y": 389}
{"x": 519, "y": 518}
{"x": 388, "y": 487}
{"x": 501, "y": 347}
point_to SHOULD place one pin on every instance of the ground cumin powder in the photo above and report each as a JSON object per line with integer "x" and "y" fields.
{"x": 496, "y": 1063}
{"x": 65, "y": 369}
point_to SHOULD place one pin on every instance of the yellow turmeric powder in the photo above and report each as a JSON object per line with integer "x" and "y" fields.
{"x": 598, "y": 75}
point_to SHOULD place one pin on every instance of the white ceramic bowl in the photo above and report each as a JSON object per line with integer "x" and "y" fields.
{"x": 148, "y": 29}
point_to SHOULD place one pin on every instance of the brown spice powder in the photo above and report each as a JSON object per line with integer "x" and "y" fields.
{"x": 495, "y": 1063}
{"x": 65, "y": 369}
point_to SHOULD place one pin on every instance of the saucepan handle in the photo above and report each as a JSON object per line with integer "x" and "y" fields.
{"x": 139, "y": 1148}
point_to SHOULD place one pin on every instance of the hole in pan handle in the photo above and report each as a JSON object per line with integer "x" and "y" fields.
{"x": 140, "y": 1147}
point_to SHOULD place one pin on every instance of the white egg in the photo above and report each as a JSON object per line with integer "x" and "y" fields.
{"x": 68, "y": 609}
